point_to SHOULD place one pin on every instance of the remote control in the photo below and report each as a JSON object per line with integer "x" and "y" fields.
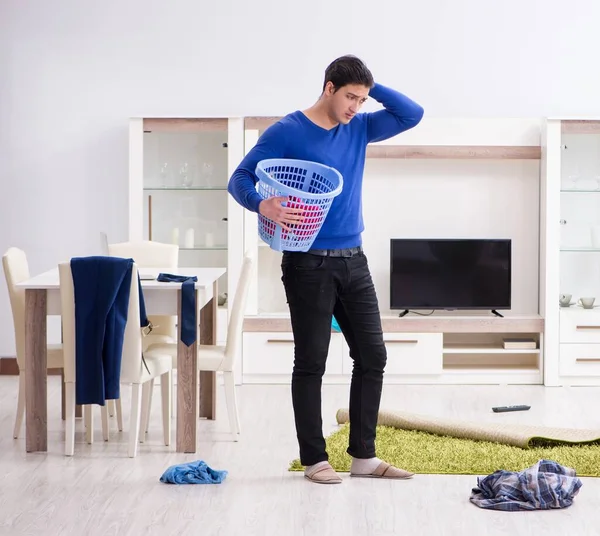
{"x": 503, "y": 409}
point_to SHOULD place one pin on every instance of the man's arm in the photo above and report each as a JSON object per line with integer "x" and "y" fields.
{"x": 242, "y": 184}
{"x": 400, "y": 114}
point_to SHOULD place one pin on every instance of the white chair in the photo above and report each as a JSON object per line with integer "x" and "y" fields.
{"x": 103, "y": 244}
{"x": 16, "y": 270}
{"x": 149, "y": 254}
{"x": 133, "y": 370}
{"x": 214, "y": 358}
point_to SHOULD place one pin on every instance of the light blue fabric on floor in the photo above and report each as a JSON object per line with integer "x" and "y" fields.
{"x": 192, "y": 473}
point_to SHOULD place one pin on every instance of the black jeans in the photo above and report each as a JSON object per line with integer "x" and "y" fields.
{"x": 317, "y": 287}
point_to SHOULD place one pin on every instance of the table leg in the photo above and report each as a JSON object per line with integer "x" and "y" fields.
{"x": 187, "y": 391}
{"x": 208, "y": 380}
{"x": 36, "y": 359}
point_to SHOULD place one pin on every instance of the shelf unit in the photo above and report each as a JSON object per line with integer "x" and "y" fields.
{"x": 178, "y": 174}
{"x": 476, "y": 152}
{"x": 436, "y": 349}
{"x": 570, "y": 244}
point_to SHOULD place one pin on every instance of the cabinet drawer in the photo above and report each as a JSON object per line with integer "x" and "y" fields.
{"x": 580, "y": 359}
{"x": 409, "y": 353}
{"x": 414, "y": 353}
{"x": 273, "y": 353}
{"x": 579, "y": 325}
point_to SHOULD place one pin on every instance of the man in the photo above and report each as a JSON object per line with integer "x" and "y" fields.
{"x": 333, "y": 277}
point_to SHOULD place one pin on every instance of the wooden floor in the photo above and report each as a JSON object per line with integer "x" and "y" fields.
{"x": 102, "y": 492}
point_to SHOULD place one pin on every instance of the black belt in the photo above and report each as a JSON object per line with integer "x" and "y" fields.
{"x": 345, "y": 252}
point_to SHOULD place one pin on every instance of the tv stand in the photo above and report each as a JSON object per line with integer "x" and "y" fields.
{"x": 434, "y": 349}
{"x": 497, "y": 313}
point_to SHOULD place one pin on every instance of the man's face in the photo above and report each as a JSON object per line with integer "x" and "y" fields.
{"x": 346, "y": 102}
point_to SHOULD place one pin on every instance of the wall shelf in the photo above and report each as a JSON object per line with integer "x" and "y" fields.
{"x": 464, "y": 152}
{"x": 180, "y": 124}
{"x": 577, "y": 126}
{"x": 455, "y": 152}
{"x": 508, "y": 369}
{"x": 486, "y": 349}
{"x": 580, "y": 191}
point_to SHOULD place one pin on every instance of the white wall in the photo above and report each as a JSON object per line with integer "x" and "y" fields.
{"x": 73, "y": 72}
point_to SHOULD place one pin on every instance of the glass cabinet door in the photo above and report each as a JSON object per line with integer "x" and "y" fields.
{"x": 580, "y": 210}
{"x": 185, "y": 188}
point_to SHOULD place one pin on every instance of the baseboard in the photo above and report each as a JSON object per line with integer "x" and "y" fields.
{"x": 9, "y": 367}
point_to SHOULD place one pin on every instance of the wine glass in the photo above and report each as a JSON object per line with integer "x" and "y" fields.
{"x": 184, "y": 175}
{"x": 164, "y": 175}
{"x": 207, "y": 173}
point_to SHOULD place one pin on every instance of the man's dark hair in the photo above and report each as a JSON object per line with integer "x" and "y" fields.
{"x": 348, "y": 70}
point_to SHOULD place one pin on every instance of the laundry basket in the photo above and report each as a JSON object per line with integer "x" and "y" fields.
{"x": 308, "y": 186}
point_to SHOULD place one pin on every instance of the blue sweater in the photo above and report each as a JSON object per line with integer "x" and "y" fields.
{"x": 343, "y": 147}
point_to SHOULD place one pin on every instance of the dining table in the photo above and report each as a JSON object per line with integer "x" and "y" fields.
{"x": 195, "y": 399}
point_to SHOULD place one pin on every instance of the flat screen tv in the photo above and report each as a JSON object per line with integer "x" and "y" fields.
{"x": 450, "y": 274}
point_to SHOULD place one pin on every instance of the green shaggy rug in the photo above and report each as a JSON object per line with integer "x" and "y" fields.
{"x": 431, "y": 453}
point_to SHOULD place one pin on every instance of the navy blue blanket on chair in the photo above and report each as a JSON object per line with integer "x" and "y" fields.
{"x": 102, "y": 288}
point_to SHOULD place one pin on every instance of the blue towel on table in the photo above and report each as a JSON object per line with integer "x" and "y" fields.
{"x": 192, "y": 473}
{"x": 188, "y": 305}
{"x": 543, "y": 486}
{"x": 102, "y": 287}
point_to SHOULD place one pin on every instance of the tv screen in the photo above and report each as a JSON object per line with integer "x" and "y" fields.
{"x": 450, "y": 274}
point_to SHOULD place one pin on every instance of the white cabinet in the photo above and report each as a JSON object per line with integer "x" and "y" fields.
{"x": 580, "y": 359}
{"x": 269, "y": 357}
{"x": 179, "y": 170}
{"x": 408, "y": 353}
{"x": 579, "y": 352}
{"x": 570, "y": 253}
{"x": 414, "y": 353}
{"x": 579, "y": 326}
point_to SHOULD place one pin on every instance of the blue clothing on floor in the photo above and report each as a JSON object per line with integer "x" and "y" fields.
{"x": 542, "y": 486}
{"x": 192, "y": 473}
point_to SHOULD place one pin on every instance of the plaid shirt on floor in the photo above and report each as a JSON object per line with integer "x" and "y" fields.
{"x": 542, "y": 486}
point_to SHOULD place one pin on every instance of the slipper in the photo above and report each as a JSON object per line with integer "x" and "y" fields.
{"x": 385, "y": 470}
{"x": 323, "y": 475}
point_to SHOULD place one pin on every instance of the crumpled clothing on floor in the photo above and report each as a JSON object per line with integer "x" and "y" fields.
{"x": 543, "y": 486}
{"x": 197, "y": 472}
